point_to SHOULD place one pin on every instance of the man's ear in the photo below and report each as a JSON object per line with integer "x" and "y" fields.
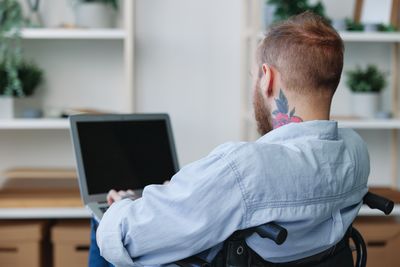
{"x": 267, "y": 81}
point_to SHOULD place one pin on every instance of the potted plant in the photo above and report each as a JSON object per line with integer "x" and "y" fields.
{"x": 11, "y": 21}
{"x": 366, "y": 84}
{"x": 17, "y": 79}
{"x": 287, "y": 8}
{"x": 96, "y": 13}
{"x": 13, "y": 102}
{"x": 352, "y": 25}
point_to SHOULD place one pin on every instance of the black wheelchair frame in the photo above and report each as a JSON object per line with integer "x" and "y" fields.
{"x": 235, "y": 254}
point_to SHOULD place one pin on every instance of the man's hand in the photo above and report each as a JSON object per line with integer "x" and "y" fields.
{"x": 114, "y": 196}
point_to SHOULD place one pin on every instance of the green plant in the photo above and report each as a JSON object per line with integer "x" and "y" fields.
{"x": 29, "y": 74}
{"x": 113, "y": 3}
{"x": 11, "y": 21}
{"x": 386, "y": 28}
{"x": 288, "y": 8}
{"x": 351, "y": 25}
{"x": 369, "y": 79}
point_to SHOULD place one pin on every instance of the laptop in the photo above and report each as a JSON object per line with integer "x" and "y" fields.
{"x": 121, "y": 152}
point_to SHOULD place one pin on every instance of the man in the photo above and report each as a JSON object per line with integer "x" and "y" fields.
{"x": 303, "y": 173}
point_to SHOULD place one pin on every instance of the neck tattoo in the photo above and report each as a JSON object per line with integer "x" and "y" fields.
{"x": 281, "y": 116}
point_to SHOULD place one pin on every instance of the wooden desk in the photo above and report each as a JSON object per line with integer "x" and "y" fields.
{"x": 42, "y": 205}
{"x": 40, "y": 198}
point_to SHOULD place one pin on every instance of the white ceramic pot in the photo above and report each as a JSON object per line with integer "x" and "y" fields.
{"x": 371, "y": 27}
{"x": 7, "y": 110}
{"x": 95, "y": 15}
{"x": 365, "y": 105}
{"x": 24, "y": 107}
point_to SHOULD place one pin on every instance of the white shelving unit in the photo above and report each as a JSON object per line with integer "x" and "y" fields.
{"x": 83, "y": 68}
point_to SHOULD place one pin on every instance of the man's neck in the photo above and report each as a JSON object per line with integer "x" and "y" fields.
{"x": 296, "y": 111}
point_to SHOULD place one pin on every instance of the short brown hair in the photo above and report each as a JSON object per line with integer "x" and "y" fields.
{"x": 306, "y": 51}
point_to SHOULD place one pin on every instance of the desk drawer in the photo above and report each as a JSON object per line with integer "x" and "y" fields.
{"x": 71, "y": 242}
{"x": 22, "y": 243}
{"x": 382, "y": 236}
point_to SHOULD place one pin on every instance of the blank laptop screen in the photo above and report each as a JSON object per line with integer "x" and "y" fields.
{"x": 125, "y": 154}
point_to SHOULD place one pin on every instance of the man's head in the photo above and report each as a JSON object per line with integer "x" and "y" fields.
{"x": 299, "y": 65}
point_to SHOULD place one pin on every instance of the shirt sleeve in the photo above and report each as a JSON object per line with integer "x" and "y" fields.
{"x": 201, "y": 207}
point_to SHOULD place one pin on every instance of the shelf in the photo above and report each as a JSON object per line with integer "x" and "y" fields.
{"x": 370, "y": 36}
{"x": 97, "y": 34}
{"x": 370, "y": 124}
{"x": 378, "y": 124}
{"x": 40, "y": 124}
{"x": 381, "y": 37}
{"x": 44, "y": 213}
{"x": 366, "y": 211}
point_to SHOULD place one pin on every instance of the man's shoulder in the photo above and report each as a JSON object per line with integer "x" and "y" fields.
{"x": 234, "y": 149}
{"x": 347, "y": 133}
{"x": 353, "y": 140}
{"x": 359, "y": 150}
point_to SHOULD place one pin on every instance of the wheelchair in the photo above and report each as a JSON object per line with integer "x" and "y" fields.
{"x": 236, "y": 253}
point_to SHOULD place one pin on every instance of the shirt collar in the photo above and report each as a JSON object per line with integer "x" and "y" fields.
{"x": 319, "y": 129}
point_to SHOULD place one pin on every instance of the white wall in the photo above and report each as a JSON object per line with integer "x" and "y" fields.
{"x": 339, "y": 9}
{"x": 188, "y": 64}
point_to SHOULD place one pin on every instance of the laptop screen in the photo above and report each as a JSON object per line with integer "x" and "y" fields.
{"x": 125, "y": 155}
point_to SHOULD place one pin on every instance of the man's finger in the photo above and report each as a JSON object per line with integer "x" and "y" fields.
{"x": 109, "y": 198}
{"x": 122, "y": 193}
{"x": 131, "y": 192}
{"x": 112, "y": 197}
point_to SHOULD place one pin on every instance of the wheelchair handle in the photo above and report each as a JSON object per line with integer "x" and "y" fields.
{"x": 272, "y": 231}
{"x": 378, "y": 202}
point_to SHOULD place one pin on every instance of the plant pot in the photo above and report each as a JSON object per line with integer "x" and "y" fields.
{"x": 365, "y": 105}
{"x": 371, "y": 27}
{"x": 339, "y": 24}
{"x": 94, "y": 15}
{"x": 7, "y": 110}
{"x": 11, "y": 107}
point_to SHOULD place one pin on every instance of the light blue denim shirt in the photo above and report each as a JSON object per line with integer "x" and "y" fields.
{"x": 309, "y": 177}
